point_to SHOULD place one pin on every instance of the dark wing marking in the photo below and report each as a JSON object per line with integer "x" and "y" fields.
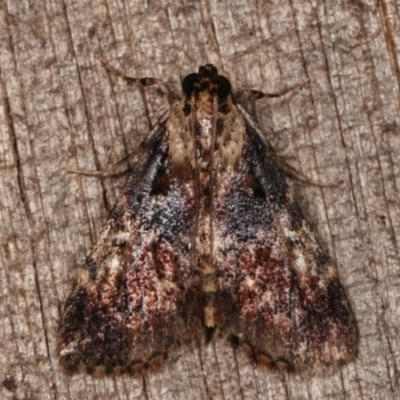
{"x": 280, "y": 294}
{"x": 137, "y": 291}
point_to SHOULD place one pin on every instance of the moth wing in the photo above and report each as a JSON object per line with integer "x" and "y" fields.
{"x": 278, "y": 292}
{"x": 127, "y": 304}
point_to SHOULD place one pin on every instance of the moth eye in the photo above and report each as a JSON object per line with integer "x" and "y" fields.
{"x": 189, "y": 82}
{"x": 223, "y": 86}
{"x": 224, "y": 108}
{"x": 187, "y": 109}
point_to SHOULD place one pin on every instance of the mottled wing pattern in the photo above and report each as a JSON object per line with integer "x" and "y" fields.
{"x": 206, "y": 234}
{"x": 278, "y": 292}
{"x": 137, "y": 291}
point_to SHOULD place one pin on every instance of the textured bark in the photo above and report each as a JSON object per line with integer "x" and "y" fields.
{"x": 60, "y": 109}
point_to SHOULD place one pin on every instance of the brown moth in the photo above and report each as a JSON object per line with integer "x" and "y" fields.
{"x": 206, "y": 235}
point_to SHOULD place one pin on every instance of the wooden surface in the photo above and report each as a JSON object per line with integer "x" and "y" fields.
{"x": 60, "y": 110}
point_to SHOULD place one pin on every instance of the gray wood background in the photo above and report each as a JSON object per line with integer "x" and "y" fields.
{"x": 60, "y": 109}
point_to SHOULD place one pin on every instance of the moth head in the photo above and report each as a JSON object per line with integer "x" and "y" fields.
{"x": 206, "y": 79}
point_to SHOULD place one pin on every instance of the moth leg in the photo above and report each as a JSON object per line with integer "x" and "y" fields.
{"x": 112, "y": 171}
{"x": 146, "y": 81}
{"x": 285, "y": 167}
{"x": 293, "y": 173}
{"x": 140, "y": 81}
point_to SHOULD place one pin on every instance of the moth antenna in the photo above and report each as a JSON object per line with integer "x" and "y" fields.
{"x": 257, "y": 94}
{"x": 145, "y": 81}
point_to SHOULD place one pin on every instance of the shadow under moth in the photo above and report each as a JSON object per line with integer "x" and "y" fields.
{"x": 206, "y": 236}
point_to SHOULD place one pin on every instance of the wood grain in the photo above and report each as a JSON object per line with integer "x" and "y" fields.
{"x": 60, "y": 109}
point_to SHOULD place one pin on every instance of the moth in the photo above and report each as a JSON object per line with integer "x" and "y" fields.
{"x": 206, "y": 236}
